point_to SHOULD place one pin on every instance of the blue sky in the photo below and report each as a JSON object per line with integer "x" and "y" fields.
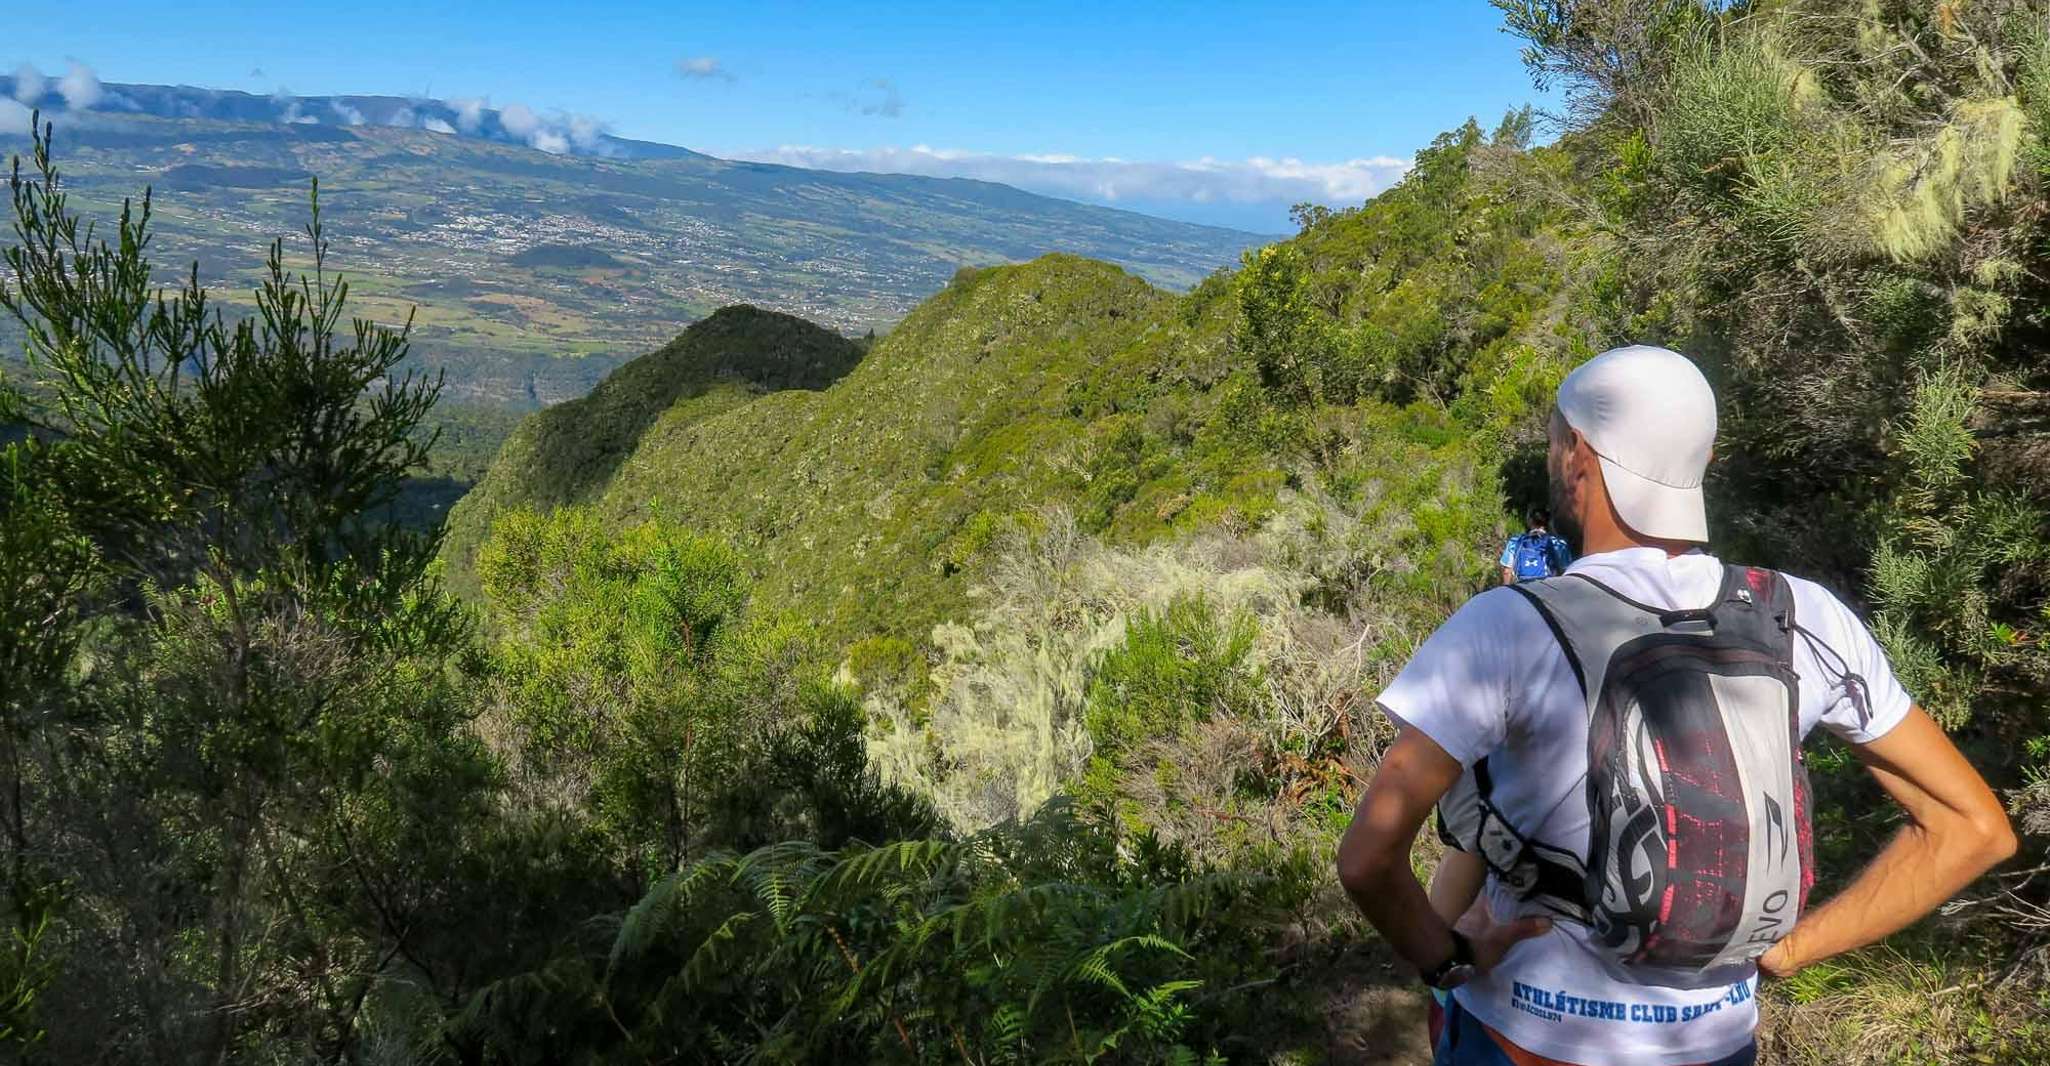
{"x": 1216, "y": 112}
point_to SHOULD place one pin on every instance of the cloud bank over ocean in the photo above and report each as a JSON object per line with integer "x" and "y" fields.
{"x": 1250, "y": 193}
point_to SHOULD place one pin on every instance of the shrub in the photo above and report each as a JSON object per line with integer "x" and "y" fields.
{"x": 1041, "y": 941}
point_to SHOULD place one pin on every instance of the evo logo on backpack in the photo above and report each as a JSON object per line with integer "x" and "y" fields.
{"x": 1700, "y": 852}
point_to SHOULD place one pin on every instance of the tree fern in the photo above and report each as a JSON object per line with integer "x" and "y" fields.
{"x": 923, "y": 949}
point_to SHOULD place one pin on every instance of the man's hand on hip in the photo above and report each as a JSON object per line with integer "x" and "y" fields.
{"x": 1492, "y": 940}
{"x": 1373, "y": 855}
{"x": 1956, "y": 830}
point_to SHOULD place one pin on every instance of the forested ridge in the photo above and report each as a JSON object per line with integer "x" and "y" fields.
{"x": 996, "y": 690}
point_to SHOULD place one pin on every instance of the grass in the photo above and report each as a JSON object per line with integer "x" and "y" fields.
{"x": 1918, "y": 1004}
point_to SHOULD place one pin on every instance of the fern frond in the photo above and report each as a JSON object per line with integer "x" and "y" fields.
{"x": 710, "y": 951}
{"x": 867, "y": 868}
{"x": 503, "y": 1013}
{"x": 654, "y": 915}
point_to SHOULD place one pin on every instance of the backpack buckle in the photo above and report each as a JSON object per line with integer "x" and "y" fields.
{"x": 1703, "y": 615}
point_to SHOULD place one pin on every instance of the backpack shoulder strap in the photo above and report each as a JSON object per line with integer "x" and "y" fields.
{"x": 1757, "y": 605}
{"x": 1550, "y": 877}
{"x": 1590, "y": 620}
{"x": 1780, "y": 627}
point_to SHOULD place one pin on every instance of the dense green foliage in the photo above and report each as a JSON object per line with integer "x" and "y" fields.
{"x": 996, "y": 692}
{"x": 1034, "y": 942}
{"x": 241, "y": 688}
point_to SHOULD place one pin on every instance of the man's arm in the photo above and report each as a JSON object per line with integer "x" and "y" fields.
{"x": 1373, "y": 859}
{"x": 1956, "y": 831}
{"x": 1508, "y": 576}
{"x": 1456, "y": 884}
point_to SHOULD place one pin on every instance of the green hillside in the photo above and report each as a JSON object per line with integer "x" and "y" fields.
{"x": 570, "y": 453}
{"x": 864, "y": 504}
{"x": 1044, "y": 456}
{"x": 856, "y": 502}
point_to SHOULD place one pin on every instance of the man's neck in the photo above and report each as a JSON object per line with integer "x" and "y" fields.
{"x": 1617, "y": 539}
{"x": 1605, "y": 532}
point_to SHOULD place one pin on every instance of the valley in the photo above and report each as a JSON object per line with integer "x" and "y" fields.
{"x": 529, "y": 275}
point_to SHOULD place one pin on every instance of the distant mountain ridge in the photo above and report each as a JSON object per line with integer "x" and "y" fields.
{"x": 471, "y": 118}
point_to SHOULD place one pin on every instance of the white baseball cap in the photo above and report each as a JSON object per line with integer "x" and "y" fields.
{"x": 1650, "y": 416}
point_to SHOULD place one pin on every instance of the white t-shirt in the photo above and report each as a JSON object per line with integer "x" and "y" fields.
{"x": 1493, "y": 681}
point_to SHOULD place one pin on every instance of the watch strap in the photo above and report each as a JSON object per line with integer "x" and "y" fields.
{"x": 1462, "y": 955}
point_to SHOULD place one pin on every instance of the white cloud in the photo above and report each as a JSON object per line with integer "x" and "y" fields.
{"x": 402, "y": 118}
{"x": 29, "y": 83}
{"x": 469, "y": 113}
{"x": 555, "y": 133}
{"x": 585, "y": 131}
{"x": 519, "y": 120}
{"x": 1252, "y": 182}
{"x": 349, "y": 115}
{"x": 435, "y": 125}
{"x": 703, "y": 68}
{"x": 14, "y": 117}
{"x": 288, "y": 107}
{"x": 80, "y": 86}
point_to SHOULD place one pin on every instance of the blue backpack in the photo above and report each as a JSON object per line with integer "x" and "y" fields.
{"x": 1535, "y": 555}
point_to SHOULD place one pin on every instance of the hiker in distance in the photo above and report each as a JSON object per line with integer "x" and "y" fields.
{"x": 1536, "y": 552}
{"x": 1634, "y": 785}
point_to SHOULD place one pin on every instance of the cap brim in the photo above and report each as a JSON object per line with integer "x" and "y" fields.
{"x": 1653, "y": 509}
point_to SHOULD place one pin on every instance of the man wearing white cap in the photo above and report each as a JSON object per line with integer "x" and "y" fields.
{"x": 1634, "y": 785}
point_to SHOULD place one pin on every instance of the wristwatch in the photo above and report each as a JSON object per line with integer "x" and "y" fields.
{"x": 1454, "y": 971}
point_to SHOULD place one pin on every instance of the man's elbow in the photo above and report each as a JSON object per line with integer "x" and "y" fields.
{"x": 1361, "y": 867}
{"x": 1995, "y": 836}
{"x": 1980, "y": 837}
{"x": 1358, "y": 878}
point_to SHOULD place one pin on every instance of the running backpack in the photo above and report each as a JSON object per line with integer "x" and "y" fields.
{"x": 1699, "y": 856}
{"x": 1533, "y": 556}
